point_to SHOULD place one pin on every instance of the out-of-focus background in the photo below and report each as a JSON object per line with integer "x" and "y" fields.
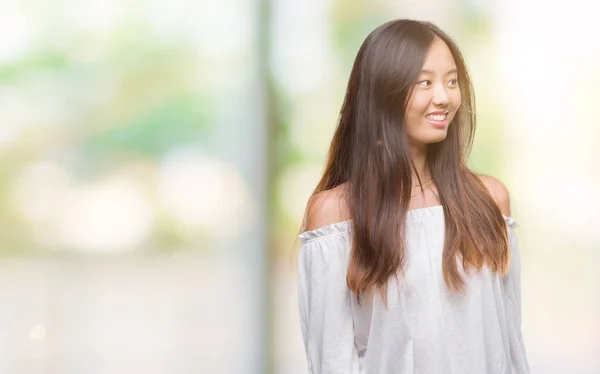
{"x": 156, "y": 157}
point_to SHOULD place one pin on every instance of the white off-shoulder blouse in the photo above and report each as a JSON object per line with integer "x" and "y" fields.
{"x": 426, "y": 329}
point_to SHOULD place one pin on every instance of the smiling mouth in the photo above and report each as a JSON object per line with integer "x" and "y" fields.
{"x": 437, "y": 116}
{"x": 439, "y": 119}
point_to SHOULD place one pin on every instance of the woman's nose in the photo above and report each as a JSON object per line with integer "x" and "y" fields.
{"x": 440, "y": 95}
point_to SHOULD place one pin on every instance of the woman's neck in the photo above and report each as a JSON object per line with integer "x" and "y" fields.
{"x": 419, "y": 158}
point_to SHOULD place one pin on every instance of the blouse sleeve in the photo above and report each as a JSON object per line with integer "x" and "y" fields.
{"x": 515, "y": 263}
{"x": 324, "y": 302}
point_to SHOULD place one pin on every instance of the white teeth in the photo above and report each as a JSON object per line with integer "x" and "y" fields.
{"x": 437, "y": 117}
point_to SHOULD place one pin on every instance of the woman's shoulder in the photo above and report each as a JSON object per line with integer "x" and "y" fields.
{"x": 327, "y": 207}
{"x": 498, "y": 191}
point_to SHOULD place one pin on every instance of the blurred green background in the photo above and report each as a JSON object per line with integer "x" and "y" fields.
{"x": 156, "y": 158}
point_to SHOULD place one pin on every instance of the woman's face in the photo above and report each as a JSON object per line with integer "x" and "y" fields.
{"x": 435, "y": 98}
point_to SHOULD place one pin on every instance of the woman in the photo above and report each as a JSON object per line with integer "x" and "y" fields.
{"x": 409, "y": 261}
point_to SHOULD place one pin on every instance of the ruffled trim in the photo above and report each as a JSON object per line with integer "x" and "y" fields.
{"x": 346, "y": 226}
{"x": 331, "y": 229}
{"x": 511, "y": 222}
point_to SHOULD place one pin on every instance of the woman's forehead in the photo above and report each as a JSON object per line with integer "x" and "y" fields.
{"x": 439, "y": 59}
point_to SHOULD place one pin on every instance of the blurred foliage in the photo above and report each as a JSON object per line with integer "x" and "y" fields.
{"x": 351, "y": 23}
{"x": 125, "y": 97}
{"x": 153, "y": 131}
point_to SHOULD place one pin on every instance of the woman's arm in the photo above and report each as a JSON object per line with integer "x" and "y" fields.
{"x": 324, "y": 298}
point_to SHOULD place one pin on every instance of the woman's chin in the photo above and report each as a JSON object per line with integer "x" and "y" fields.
{"x": 434, "y": 138}
{"x": 428, "y": 137}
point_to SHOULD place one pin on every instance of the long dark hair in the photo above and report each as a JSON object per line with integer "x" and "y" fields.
{"x": 370, "y": 153}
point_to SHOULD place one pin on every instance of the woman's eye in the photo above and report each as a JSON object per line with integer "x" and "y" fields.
{"x": 424, "y": 83}
{"x": 452, "y": 82}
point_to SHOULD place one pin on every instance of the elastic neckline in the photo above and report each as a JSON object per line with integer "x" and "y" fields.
{"x": 412, "y": 215}
{"x": 345, "y": 226}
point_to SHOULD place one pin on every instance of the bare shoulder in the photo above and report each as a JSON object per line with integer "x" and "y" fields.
{"x": 327, "y": 207}
{"x": 498, "y": 191}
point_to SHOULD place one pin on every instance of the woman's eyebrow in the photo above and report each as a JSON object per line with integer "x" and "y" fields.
{"x": 451, "y": 71}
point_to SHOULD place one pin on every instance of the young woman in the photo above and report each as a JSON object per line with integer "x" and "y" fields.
{"x": 409, "y": 262}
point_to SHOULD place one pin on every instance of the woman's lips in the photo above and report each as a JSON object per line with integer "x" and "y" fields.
{"x": 438, "y": 119}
